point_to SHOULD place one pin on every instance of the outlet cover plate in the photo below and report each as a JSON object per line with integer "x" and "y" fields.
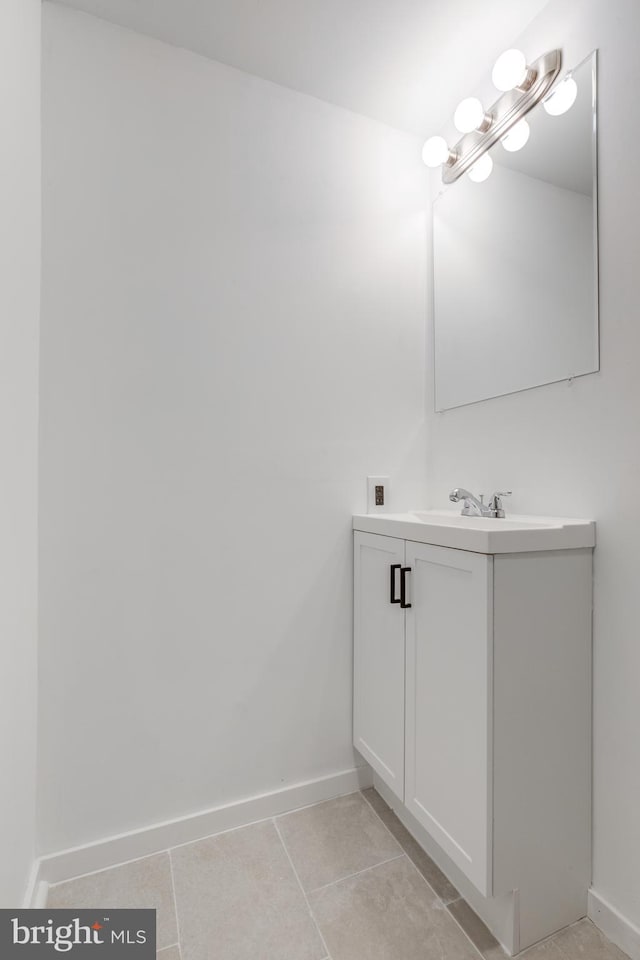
{"x": 378, "y": 490}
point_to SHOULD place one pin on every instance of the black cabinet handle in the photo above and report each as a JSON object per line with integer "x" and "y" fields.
{"x": 392, "y": 585}
{"x": 403, "y": 587}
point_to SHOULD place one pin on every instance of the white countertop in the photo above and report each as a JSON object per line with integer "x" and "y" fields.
{"x": 513, "y": 534}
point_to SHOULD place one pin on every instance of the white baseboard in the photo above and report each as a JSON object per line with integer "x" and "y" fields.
{"x": 32, "y": 883}
{"x": 40, "y": 895}
{"x": 111, "y": 851}
{"x": 614, "y": 926}
{"x": 37, "y": 889}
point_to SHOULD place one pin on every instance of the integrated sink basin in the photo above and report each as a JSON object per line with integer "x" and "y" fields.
{"x": 483, "y": 523}
{"x": 512, "y": 534}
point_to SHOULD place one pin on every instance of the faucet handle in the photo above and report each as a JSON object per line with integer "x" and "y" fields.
{"x": 495, "y": 503}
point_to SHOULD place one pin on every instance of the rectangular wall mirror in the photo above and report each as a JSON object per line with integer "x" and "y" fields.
{"x": 516, "y": 262}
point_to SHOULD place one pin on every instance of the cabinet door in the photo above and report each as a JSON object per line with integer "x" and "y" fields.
{"x": 378, "y": 662}
{"x": 449, "y": 703}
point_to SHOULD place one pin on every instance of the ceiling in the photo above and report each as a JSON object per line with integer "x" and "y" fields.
{"x": 404, "y": 62}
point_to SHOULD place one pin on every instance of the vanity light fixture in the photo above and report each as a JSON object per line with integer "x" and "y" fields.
{"x": 562, "y": 98}
{"x": 470, "y": 116}
{"x": 481, "y": 169}
{"x": 523, "y": 85}
{"x": 435, "y": 151}
{"x": 510, "y": 70}
{"x": 517, "y": 136}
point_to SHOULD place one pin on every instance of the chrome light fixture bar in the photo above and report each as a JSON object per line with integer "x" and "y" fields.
{"x": 505, "y": 113}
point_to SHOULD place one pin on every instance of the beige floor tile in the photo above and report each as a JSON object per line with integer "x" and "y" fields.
{"x": 142, "y": 883}
{"x": 238, "y": 899}
{"x": 542, "y": 951}
{"x": 170, "y": 953}
{"x": 580, "y": 941}
{"x": 429, "y": 870}
{"x": 335, "y": 839}
{"x": 388, "y": 913}
{"x": 583, "y": 941}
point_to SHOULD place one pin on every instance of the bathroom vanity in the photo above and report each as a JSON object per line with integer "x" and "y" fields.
{"x": 472, "y": 703}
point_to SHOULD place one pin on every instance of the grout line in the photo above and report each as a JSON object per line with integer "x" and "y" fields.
{"x": 370, "y": 805}
{"x": 125, "y": 863}
{"x": 315, "y": 803}
{"x": 358, "y": 873}
{"x": 113, "y": 866}
{"x": 424, "y": 879}
{"x": 253, "y": 823}
{"x": 306, "y": 899}
{"x": 187, "y": 843}
{"x": 552, "y": 939}
{"x": 175, "y": 902}
{"x": 446, "y": 908}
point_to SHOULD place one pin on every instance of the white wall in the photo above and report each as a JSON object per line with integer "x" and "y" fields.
{"x": 19, "y": 316}
{"x": 575, "y": 450}
{"x": 233, "y": 338}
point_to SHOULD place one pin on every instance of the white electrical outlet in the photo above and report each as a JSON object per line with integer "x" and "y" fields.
{"x": 378, "y": 495}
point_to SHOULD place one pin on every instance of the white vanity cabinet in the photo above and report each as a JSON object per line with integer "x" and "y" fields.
{"x": 379, "y": 658}
{"x": 448, "y": 705}
{"x": 472, "y": 704}
{"x": 422, "y": 681}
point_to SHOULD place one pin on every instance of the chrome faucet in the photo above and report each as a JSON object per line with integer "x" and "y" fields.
{"x": 472, "y": 507}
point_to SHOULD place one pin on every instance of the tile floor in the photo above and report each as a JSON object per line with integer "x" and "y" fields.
{"x": 342, "y": 880}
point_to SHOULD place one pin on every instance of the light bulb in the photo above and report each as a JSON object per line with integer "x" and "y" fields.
{"x": 562, "y": 98}
{"x": 510, "y": 70}
{"x": 517, "y": 136}
{"x": 435, "y": 151}
{"x": 481, "y": 169}
{"x": 469, "y": 115}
